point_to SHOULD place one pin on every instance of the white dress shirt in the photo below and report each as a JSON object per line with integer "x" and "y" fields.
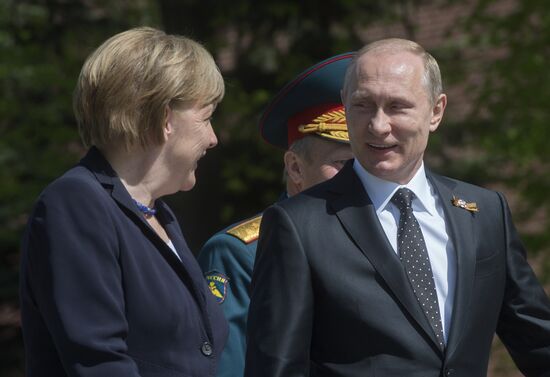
{"x": 428, "y": 210}
{"x": 173, "y": 248}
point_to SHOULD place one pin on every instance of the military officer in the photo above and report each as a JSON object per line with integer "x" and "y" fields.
{"x": 307, "y": 119}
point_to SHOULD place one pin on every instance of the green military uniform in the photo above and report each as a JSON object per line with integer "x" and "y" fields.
{"x": 227, "y": 260}
{"x": 308, "y": 105}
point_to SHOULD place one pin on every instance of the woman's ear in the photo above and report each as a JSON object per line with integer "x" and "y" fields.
{"x": 167, "y": 127}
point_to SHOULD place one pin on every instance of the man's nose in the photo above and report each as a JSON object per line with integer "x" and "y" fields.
{"x": 380, "y": 123}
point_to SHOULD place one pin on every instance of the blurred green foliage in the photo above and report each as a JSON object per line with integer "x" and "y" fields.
{"x": 511, "y": 117}
{"x": 499, "y": 57}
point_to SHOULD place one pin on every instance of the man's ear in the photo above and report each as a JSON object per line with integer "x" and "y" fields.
{"x": 294, "y": 170}
{"x": 437, "y": 112}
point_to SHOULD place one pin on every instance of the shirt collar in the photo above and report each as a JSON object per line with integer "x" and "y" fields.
{"x": 381, "y": 191}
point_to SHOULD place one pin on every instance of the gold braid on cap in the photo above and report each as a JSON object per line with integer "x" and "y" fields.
{"x": 331, "y": 125}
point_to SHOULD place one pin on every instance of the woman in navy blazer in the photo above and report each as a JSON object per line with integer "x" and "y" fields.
{"x": 108, "y": 284}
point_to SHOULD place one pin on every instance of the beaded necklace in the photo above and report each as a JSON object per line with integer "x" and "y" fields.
{"x": 147, "y": 211}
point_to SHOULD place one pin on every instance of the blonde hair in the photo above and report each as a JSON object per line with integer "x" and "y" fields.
{"x": 127, "y": 83}
{"x": 432, "y": 75}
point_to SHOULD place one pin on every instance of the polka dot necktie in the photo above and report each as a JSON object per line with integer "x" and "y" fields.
{"x": 414, "y": 256}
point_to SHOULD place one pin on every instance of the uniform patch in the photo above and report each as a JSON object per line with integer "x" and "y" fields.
{"x": 217, "y": 282}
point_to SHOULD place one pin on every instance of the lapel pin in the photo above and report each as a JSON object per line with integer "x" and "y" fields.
{"x": 461, "y": 203}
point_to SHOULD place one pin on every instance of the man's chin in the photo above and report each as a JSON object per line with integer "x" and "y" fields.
{"x": 385, "y": 170}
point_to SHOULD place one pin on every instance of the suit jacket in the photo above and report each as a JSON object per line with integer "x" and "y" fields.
{"x": 227, "y": 262}
{"x": 331, "y": 298}
{"x": 103, "y": 295}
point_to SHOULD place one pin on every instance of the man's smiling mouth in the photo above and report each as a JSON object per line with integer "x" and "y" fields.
{"x": 381, "y": 146}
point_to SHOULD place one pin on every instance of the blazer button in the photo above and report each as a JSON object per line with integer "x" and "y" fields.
{"x": 449, "y": 372}
{"x": 206, "y": 349}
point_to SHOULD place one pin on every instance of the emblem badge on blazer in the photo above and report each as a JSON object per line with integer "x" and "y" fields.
{"x": 217, "y": 282}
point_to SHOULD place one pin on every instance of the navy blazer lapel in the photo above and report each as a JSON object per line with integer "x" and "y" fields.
{"x": 460, "y": 225}
{"x": 184, "y": 268}
{"x": 357, "y": 214}
{"x": 173, "y": 230}
{"x": 188, "y": 263}
{"x": 104, "y": 173}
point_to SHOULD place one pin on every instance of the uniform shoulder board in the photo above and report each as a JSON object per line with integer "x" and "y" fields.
{"x": 247, "y": 231}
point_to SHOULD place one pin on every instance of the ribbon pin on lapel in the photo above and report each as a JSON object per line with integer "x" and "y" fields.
{"x": 461, "y": 203}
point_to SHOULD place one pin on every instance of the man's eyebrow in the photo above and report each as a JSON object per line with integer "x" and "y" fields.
{"x": 364, "y": 95}
{"x": 360, "y": 95}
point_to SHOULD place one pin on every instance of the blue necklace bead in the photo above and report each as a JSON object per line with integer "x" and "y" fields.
{"x": 147, "y": 211}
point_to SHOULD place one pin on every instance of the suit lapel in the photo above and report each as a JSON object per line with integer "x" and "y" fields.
{"x": 188, "y": 261}
{"x": 184, "y": 268}
{"x": 460, "y": 225}
{"x": 357, "y": 215}
{"x": 192, "y": 273}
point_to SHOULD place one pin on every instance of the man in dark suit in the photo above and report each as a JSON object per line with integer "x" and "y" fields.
{"x": 389, "y": 269}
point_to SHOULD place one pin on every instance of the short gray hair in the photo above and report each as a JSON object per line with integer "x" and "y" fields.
{"x": 432, "y": 74}
{"x": 302, "y": 147}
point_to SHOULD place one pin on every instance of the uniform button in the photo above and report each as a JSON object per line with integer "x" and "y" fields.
{"x": 206, "y": 349}
{"x": 449, "y": 372}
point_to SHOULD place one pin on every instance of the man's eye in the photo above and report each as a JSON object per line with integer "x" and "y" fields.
{"x": 365, "y": 105}
{"x": 399, "y": 106}
{"x": 396, "y": 106}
